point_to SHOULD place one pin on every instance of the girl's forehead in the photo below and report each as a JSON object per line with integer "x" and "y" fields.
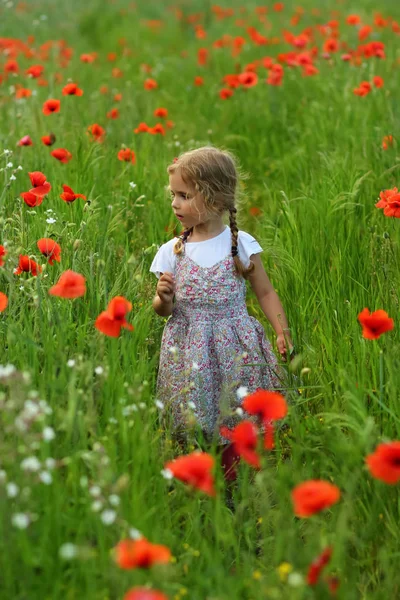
{"x": 177, "y": 183}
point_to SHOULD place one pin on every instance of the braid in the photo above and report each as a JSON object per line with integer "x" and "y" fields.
{"x": 234, "y": 230}
{"x": 179, "y": 245}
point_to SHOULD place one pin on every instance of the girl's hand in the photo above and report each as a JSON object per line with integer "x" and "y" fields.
{"x": 166, "y": 287}
{"x": 282, "y": 345}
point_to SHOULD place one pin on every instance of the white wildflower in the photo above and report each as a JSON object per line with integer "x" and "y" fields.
{"x": 95, "y": 491}
{"x": 12, "y": 489}
{"x": 7, "y": 370}
{"x": 241, "y": 392}
{"x": 71, "y": 363}
{"x": 295, "y": 579}
{"x": 31, "y": 463}
{"x": 239, "y": 411}
{"x": 159, "y": 404}
{"x": 99, "y": 370}
{"x": 20, "y": 520}
{"x": 46, "y": 477}
{"x": 167, "y": 474}
{"x": 12, "y": 178}
{"x": 68, "y": 551}
{"x": 114, "y": 500}
{"x": 108, "y": 516}
{"x": 50, "y": 463}
{"x": 48, "y": 434}
{"x": 135, "y": 534}
{"x": 9, "y": 165}
{"x": 96, "y": 506}
{"x": 51, "y": 221}
{"x": 132, "y": 185}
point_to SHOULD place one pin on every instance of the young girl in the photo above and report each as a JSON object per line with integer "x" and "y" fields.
{"x": 212, "y": 352}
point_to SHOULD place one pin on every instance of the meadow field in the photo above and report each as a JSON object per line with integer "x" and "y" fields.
{"x": 96, "y": 99}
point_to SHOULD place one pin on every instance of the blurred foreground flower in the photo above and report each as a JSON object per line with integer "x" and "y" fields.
{"x": 244, "y": 439}
{"x": 313, "y": 496}
{"x": 195, "y": 470}
{"x": 269, "y": 407}
{"x": 134, "y": 554}
{"x": 384, "y": 463}
{"x": 141, "y": 593}
{"x": 70, "y": 285}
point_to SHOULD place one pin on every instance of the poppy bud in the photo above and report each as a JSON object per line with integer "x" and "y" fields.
{"x": 77, "y": 243}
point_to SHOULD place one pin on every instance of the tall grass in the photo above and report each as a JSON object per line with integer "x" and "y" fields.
{"x": 313, "y": 152}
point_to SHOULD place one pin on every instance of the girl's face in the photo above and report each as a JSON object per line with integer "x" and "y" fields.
{"x": 187, "y": 204}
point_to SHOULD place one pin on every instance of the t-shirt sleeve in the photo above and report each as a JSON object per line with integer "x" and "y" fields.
{"x": 164, "y": 260}
{"x": 247, "y": 246}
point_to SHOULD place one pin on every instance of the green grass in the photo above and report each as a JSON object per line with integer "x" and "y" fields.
{"x": 312, "y": 150}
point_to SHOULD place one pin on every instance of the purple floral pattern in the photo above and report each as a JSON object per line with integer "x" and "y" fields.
{"x": 211, "y": 347}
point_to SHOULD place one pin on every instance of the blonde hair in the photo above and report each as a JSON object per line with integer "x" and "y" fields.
{"x": 214, "y": 174}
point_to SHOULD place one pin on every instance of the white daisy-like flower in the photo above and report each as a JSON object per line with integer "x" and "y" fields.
{"x": 12, "y": 489}
{"x": 51, "y": 221}
{"x": 132, "y": 185}
{"x": 95, "y": 491}
{"x": 48, "y": 434}
{"x": 9, "y": 165}
{"x": 20, "y": 520}
{"x": 135, "y": 534}
{"x": 71, "y": 363}
{"x": 99, "y": 370}
{"x": 13, "y": 178}
{"x": 108, "y": 516}
{"x": 167, "y": 474}
{"x": 31, "y": 463}
{"x": 46, "y": 477}
{"x": 114, "y": 500}
{"x": 242, "y": 391}
{"x": 68, "y": 551}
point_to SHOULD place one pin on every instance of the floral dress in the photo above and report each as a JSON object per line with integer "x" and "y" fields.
{"x": 212, "y": 351}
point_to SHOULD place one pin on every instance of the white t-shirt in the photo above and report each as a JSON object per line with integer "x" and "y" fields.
{"x": 206, "y": 253}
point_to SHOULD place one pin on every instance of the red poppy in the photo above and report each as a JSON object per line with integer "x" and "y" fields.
{"x": 386, "y": 142}
{"x": 34, "y": 71}
{"x": 268, "y": 407}
{"x": 48, "y": 140}
{"x": 69, "y": 285}
{"x": 140, "y": 554}
{"x": 313, "y": 496}
{"x": 198, "y": 81}
{"x": 69, "y": 195}
{"x": 195, "y": 470}
{"x": 331, "y": 45}
{"x": 353, "y": 20}
{"x": 3, "y": 302}
{"x": 248, "y": 79}
{"x": 3, "y": 253}
{"x": 41, "y": 187}
{"x": 72, "y": 89}
{"x": 141, "y": 128}
{"x": 127, "y": 155}
{"x": 317, "y": 566}
{"x": 375, "y": 324}
{"x": 384, "y": 463}
{"x": 202, "y": 56}
{"x": 88, "y": 58}
{"x": 23, "y": 93}
{"x": 378, "y": 81}
{"x": 141, "y": 593}
{"x": 255, "y": 211}
{"x": 25, "y": 141}
{"x": 225, "y": 93}
{"x": 97, "y": 131}
{"x": 158, "y": 128}
{"x": 113, "y": 319}
{"x": 11, "y": 66}
{"x": 27, "y": 265}
{"x": 50, "y": 249}
{"x": 113, "y": 113}
{"x": 61, "y": 154}
{"x": 31, "y": 200}
{"x": 244, "y": 439}
{"x": 150, "y": 84}
{"x": 51, "y": 106}
{"x": 161, "y": 112}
